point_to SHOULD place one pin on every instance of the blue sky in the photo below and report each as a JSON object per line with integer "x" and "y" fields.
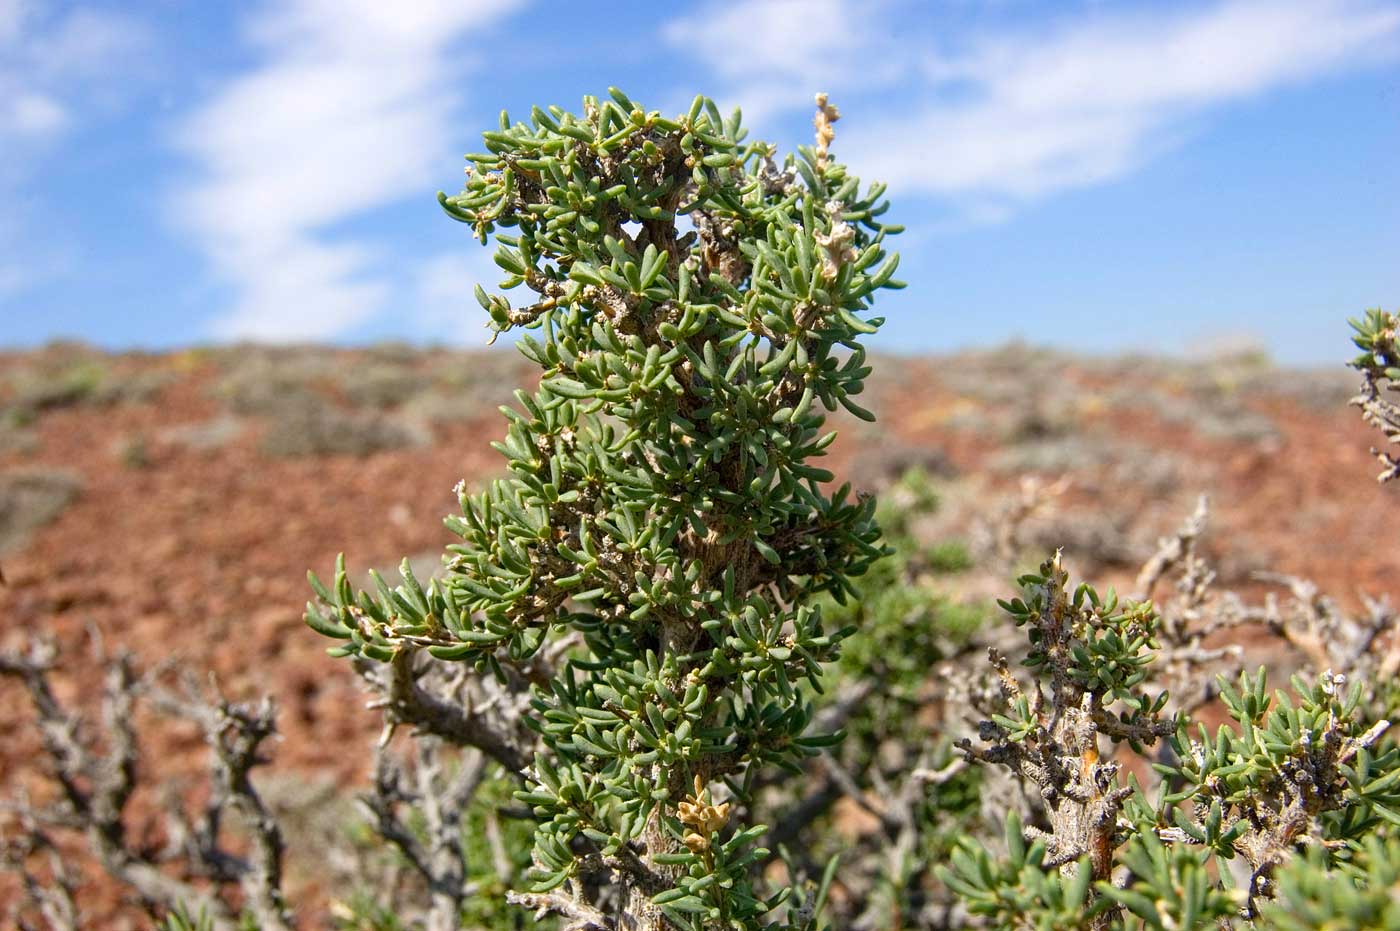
{"x": 1168, "y": 177}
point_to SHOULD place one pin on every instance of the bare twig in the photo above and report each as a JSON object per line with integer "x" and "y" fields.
{"x": 235, "y": 732}
{"x": 579, "y": 915}
{"x": 95, "y": 788}
{"x": 440, "y": 790}
{"x": 468, "y": 719}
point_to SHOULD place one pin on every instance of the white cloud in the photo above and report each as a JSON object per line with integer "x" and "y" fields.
{"x": 57, "y": 69}
{"x": 1089, "y": 102}
{"x": 782, "y": 37}
{"x": 28, "y": 114}
{"x": 775, "y": 54}
{"x": 51, "y": 64}
{"x": 350, "y": 109}
{"x": 993, "y": 120}
{"x": 88, "y": 44}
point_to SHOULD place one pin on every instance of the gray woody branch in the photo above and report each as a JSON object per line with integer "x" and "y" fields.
{"x": 95, "y": 787}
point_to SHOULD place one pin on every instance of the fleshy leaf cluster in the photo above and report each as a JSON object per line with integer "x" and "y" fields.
{"x": 696, "y": 309}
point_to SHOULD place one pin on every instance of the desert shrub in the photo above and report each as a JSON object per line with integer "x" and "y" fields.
{"x": 907, "y": 623}
{"x": 30, "y": 498}
{"x": 138, "y": 387}
{"x": 133, "y": 451}
{"x": 1035, "y": 421}
{"x": 1239, "y": 424}
{"x": 1317, "y": 890}
{"x": 1094, "y": 537}
{"x": 393, "y": 352}
{"x": 292, "y": 390}
{"x": 16, "y": 439}
{"x": 1204, "y": 406}
{"x": 1377, "y": 335}
{"x": 949, "y": 556}
{"x": 1071, "y": 452}
{"x": 445, "y": 405}
{"x": 1320, "y": 390}
{"x": 53, "y": 382}
{"x": 881, "y": 459}
{"x": 311, "y": 426}
{"x": 433, "y": 837}
{"x": 205, "y": 436}
{"x": 1015, "y": 378}
{"x": 42, "y": 390}
{"x": 662, "y": 516}
{"x": 895, "y": 775}
{"x": 670, "y": 680}
{"x": 468, "y": 386}
{"x": 1229, "y": 811}
{"x": 261, "y": 380}
{"x": 382, "y": 385}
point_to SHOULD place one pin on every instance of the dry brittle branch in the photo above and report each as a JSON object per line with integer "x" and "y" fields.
{"x": 1378, "y": 336}
{"x": 439, "y": 786}
{"x": 95, "y": 784}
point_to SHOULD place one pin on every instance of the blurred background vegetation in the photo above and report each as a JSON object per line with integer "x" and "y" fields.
{"x": 158, "y": 503}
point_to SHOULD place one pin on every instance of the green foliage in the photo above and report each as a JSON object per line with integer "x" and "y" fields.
{"x": 1022, "y": 891}
{"x": 383, "y": 385}
{"x": 1311, "y": 757}
{"x": 183, "y": 920}
{"x": 949, "y": 556}
{"x": 363, "y": 913}
{"x": 666, "y": 566}
{"x": 64, "y": 378}
{"x": 907, "y": 622}
{"x": 1092, "y": 651}
{"x": 1375, "y": 334}
{"x": 1293, "y": 773}
{"x": 662, "y": 503}
{"x": 66, "y": 387}
{"x": 886, "y": 684}
{"x": 1316, "y": 891}
{"x": 486, "y": 861}
{"x": 1171, "y": 887}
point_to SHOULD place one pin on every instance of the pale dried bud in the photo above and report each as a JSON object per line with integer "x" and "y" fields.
{"x": 826, "y": 115}
{"x": 698, "y": 813}
{"x": 837, "y": 246}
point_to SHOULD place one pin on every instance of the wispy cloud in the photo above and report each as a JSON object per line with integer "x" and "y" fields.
{"x": 774, "y": 54}
{"x": 989, "y": 120}
{"x": 55, "y": 70}
{"x": 50, "y": 62}
{"x": 349, "y": 109}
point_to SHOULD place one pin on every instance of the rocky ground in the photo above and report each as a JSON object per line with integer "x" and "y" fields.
{"x": 170, "y": 505}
